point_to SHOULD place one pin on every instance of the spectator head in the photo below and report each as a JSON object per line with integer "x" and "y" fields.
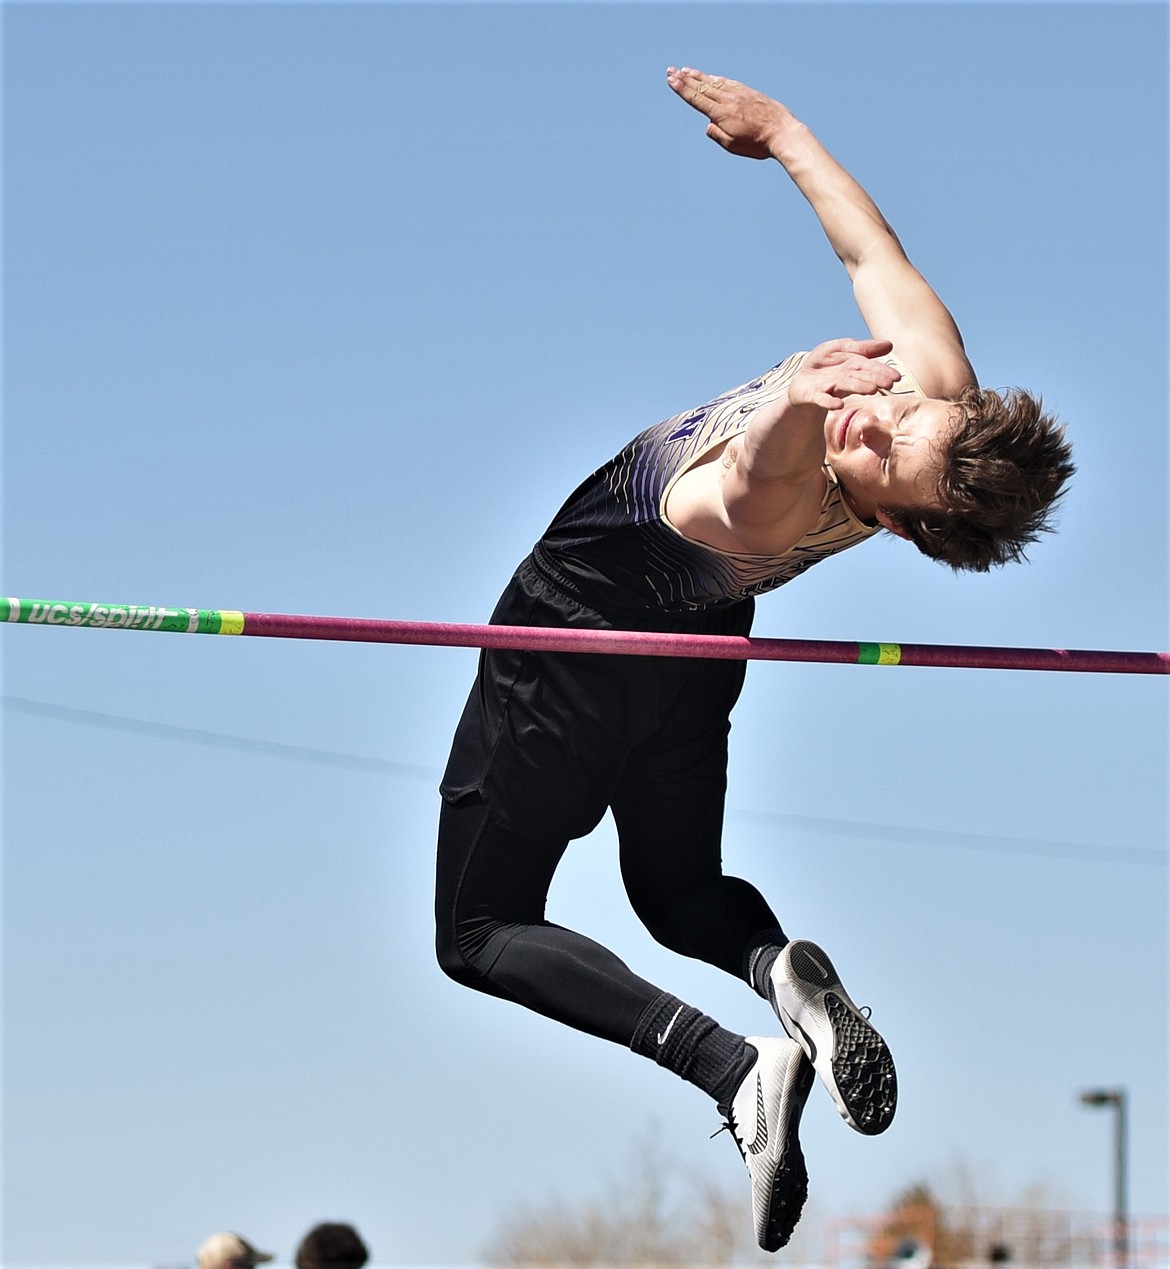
{"x": 332, "y": 1247}
{"x": 230, "y": 1251}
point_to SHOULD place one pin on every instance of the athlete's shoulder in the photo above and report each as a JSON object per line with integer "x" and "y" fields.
{"x": 908, "y": 384}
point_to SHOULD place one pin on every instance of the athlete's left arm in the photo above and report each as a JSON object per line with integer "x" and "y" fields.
{"x": 895, "y": 300}
{"x": 899, "y": 304}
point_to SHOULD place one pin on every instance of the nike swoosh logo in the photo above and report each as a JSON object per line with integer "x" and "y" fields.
{"x": 810, "y": 1045}
{"x": 761, "y": 1142}
{"x": 662, "y": 1036}
{"x": 811, "y": 957}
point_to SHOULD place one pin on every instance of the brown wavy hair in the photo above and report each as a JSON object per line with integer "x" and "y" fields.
{"x": 1002, "y": 476}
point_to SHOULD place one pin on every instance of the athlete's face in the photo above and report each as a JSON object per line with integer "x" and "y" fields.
{"x": 888, "y": 451}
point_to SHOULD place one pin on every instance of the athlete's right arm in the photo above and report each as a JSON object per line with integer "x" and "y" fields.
{"x": 763, "y": 492}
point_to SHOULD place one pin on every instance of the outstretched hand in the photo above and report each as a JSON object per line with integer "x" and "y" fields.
{"x": 842, "y": 368}
{"x": 743, "y": 120}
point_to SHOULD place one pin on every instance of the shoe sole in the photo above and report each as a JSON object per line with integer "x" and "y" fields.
{"x": 859, "y": 1073}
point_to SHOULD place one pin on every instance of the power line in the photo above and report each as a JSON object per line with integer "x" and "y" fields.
{"x": 895, "y": 834}
{"x": 219, "y": 740}
{"x": 900, "y": 835}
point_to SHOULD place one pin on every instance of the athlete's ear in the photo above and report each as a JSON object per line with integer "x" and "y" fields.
{"x": 886, "y": 523}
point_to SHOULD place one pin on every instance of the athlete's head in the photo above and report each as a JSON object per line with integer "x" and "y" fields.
{"x": 970, "y": 482}
{"x": 1001, "y": 473}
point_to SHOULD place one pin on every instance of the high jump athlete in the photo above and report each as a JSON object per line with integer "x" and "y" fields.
{"x": 679, "y": 532}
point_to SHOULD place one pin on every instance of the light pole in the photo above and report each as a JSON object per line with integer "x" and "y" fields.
{"x": 1115, "y": 1097}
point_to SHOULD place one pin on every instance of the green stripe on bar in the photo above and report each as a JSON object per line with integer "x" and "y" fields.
{"x": 35, "y": 612}
{"x": 879, "y": 654}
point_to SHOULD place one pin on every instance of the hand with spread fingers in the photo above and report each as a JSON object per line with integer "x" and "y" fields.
{"x": 842, "y": 368}
{"x": 743, "y": 121}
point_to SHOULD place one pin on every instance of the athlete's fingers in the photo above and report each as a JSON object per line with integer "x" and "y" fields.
{"x": 874, "y": 347}
{"x": 701, "y": 91}
{"x": 716, "y": 133}
{"x": 863, "y": 347}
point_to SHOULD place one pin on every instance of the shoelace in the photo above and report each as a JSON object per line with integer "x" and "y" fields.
{"x": 728, "y": 1126}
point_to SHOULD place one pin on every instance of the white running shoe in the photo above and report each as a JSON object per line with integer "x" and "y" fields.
{"x": 850, "y": 1057}
{"x": 764, "y": 1116}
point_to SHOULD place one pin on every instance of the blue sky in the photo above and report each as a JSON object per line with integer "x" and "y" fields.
{"x": 325, "y": 308}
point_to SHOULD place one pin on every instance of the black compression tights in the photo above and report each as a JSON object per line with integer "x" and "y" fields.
{"x": 493, "y": 936}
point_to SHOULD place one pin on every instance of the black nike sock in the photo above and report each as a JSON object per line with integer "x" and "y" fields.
{"x": 759, "y": 959}
{"x": 693, "y": 1046}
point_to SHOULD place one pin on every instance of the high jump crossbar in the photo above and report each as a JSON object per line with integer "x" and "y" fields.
{"x": 545, "y": 639}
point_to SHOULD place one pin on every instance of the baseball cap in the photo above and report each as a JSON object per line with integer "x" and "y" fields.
{"x": 230, "y": 1251}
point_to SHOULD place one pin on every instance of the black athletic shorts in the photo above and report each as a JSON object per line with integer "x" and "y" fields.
{"x": 546, "y": 737}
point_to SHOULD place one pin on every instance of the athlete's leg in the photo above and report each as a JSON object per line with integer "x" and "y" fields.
{"x": 493, "y": 936}
{"x": 546, "y": 737}
{"x": 492, "y": 933}
{"x": 540, "y": 748}
{"x": 669, "y": 811}
{"x": 492, "y": 885}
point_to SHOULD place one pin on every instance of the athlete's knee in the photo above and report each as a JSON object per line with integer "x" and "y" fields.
{"x": 461, "y": 954}
{"x": 707, "y": 920}
{"x": 666, "y": 907}
{"x": 463, "y": 971}
{"x": 667, "y": 923}
{"x": 452, "y": 957}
